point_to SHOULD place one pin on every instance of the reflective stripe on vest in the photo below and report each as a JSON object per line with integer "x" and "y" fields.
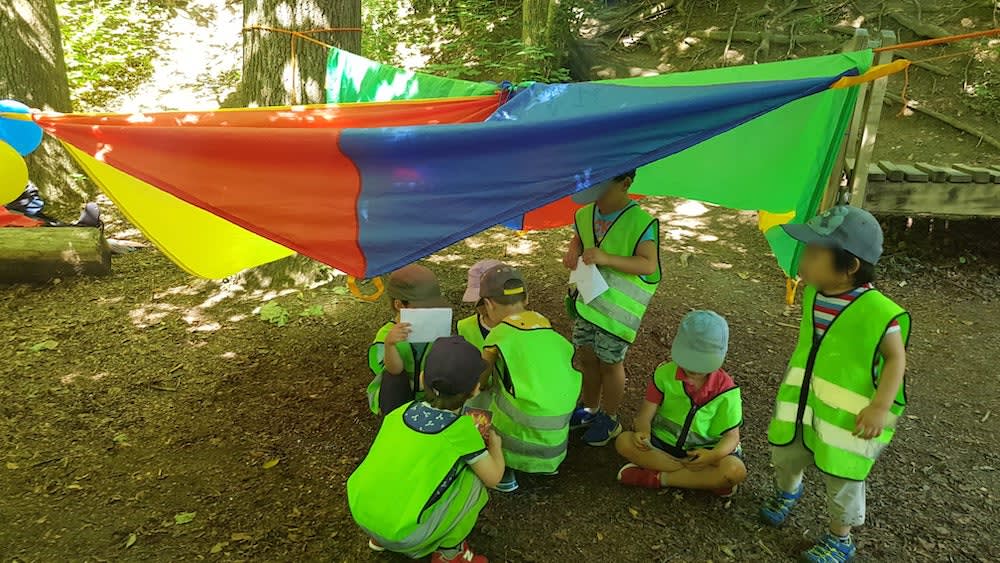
{"x": 534, "y": 392}
{"x": 829, "y": 381}
{"x": 406, "y": 353}
{"x": 620, "y": 309}
{"x": 680, "y": 423}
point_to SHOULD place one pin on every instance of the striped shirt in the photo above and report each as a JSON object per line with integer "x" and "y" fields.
{"x": 827, "y": 307}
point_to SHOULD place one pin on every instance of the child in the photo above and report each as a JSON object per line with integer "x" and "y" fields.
{"x": 843, "y": 391}
{"x": 623, "y": 241}
{"x": 423, "y": 483}
{"x": 474, "y": 328}
{"x": 534, "y": 386}
{"x": 687, "y": 432}
{"x": 394, "y": 362}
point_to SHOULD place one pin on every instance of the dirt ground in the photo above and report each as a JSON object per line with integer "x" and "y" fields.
{"x": 150, "y": 416}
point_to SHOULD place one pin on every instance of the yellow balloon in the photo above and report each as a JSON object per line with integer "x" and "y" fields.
{"x": 13, "y": 174}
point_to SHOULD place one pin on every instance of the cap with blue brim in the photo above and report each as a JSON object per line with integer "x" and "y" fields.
{"x": 842, "y": 227}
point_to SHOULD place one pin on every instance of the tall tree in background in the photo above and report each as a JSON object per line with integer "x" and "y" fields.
{"x": 543, "y": 29}
{"x": 32, "y": 71}
{"x": 271, "y": 75}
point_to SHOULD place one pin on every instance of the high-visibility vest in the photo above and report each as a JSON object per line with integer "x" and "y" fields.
{"x": 411, "y": 361}
{"x": 619, "y": 310}
{"x": 534, "y": 390}
{"x": 468, "y": 328}
{"x": 413, "y": 492}
{"x": 686, "y": 426}
{"x": 831, "y": 379}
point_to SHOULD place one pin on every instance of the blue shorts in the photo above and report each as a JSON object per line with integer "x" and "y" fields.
{"x": 677, "y": 453}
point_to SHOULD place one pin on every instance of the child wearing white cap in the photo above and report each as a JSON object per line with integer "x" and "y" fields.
{"x": 687, "y": 431}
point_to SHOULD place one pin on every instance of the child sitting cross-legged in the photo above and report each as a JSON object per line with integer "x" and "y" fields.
{"x": 687, "y": 432}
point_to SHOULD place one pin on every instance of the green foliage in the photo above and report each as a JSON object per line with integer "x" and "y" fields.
{"x": 466, "y": 39}
{"x": 110, "y": 46}
{"x": 274, "y": 313}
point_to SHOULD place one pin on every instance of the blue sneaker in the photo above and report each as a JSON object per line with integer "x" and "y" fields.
{"x": 777, "y": 508}
{"x": 581, "y": 417}
{"x": 602, "y": 430}
{"x": 508, "y": 483}
{"x": 830, "y": 549}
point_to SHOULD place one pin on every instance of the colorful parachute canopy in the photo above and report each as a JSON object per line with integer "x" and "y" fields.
{"x": 368, "y": 187}
{"x": 777, "y": 163}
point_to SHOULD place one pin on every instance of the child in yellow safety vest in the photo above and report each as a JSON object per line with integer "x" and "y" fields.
{"x": 474, "y": 328}
{"x": 533, "y": 385}
{"x": 396, "y": 363}
{"x": 687, "y": 431}
{"x": 622, "y": 240}
{"x": 423, "y": 483}
{"x": 842, "y": 393}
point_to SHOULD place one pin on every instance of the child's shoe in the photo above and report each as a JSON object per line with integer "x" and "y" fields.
{"x": 830, "y": 549}
{"x": 633, "y": 475}
{"x": 602, "y": 430}
{"x": 465, "y": 555}
{"x": 581, "y": 418}
{"x": 508, "y": 483}
{"x": 776, "y": 510}
{"x": 374, "y": 546}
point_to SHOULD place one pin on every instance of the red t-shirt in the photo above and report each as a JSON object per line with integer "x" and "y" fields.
{"x": 718, "y": 382}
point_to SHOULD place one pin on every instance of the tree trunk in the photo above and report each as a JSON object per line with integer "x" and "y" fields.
{"x": 269, "y": 78}
{"x": 540, "y": 29}
{"x": 32, "y": 71}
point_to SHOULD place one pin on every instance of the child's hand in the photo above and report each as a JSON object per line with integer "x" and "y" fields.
{"x": 399, "y": 333}
{"x": 493, "y": 442}
{"x": 641, "y": 441}
{"x": 870, "y": 422}
{"x": 700, "y": 459}
{"x": 571, "y": 258}
{"x": 595, "y": 256}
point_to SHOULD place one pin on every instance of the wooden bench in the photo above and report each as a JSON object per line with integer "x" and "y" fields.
{"x": 957, "y": 190}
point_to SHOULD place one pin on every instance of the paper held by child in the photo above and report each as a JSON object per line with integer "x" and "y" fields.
{"x": 483, "y": 419}
{"x": 427, "y": 325}
{"x": 589, "y": 281}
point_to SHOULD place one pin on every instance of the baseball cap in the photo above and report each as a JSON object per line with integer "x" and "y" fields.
{"x": 453, "y": 366}
{"x": 417, "y": 285}
{"x": 495, "y": 281}
{"x": 845, "y": 227}
{"x": 701, "y": 342}
{"x": 475, "y": 276}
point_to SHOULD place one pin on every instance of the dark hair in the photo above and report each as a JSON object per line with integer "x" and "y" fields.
{"x": 623, "y": 175}
{"x": 392, "y": 303}
{"x": 445, "y": 402}
{"x": 843, "y": 261}
{"x": 513, "y": 299}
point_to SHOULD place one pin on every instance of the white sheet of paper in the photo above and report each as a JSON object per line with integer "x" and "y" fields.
{"x": 426, "y": 325}
{"x": 589, "y": 281}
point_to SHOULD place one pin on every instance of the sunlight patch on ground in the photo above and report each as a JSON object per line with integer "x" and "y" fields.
{"x": 523, "y": 246}
{"x": 151, "y": 314}
{"x": 445, "y": 258}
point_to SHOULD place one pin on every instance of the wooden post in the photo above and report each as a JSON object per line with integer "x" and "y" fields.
{"x": 873, "y": 115}
{"x": 830, "y": 196}
{"x": 40, "y": 254}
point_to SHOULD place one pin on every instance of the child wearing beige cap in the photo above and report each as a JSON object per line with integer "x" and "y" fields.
{"x": 474, "y": 328}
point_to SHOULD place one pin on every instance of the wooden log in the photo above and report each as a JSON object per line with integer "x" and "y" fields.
{"x": 940, "y": 200}
{"x": 920, "y": 28}
{"x": 957, "y": 176}
{"x": 40, "y": 254}
{"x": 995, "y": 170}
{"x": 875, "y": 173}
{"x": 893, "y": 173}
{"x": 935, "y": 173}
{"x": 911, "y": 174}
{"x": 960, "y": 125}
{"x": 979, "y": 175}
{"x": 758, "y": 37}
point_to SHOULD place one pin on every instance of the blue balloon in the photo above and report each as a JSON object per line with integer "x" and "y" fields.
{"x": 24, "y": 136}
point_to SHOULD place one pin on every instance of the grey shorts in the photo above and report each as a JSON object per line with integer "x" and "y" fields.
{"x": 609, "y": 348}
{"x": 845, "y": 499}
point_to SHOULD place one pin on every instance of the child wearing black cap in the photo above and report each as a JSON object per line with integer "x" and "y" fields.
{"x": 842, "y": 394}
{"x": 396, "y": 363}
{"x": 533, "y": 385}
{"x": 423, "y": 483}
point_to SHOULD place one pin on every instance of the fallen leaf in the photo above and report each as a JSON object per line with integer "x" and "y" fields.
{"x": 561, "y": 535}
{"x": 633, "y": 512}
{"x": 270, "y": 463}
{"x": 743, "y": 275}
{"x": 130, "y": 540}
{"x": 218, "y": 547}
{"x": 685, "y": 258}
{"x": 728, "y": 551}
{"x": 74, "y": 486}
{"x": 45, "y": 345}
{"x": 184, "y": 517}
{"x": 600, "y": 536}
{"x": 240, "y": 536}
{"x": 12, "y": 465}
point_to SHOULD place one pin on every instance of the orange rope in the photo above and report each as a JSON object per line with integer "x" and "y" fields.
{"x": 940, "y": 40}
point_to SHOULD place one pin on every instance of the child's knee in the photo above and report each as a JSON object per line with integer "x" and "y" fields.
{"x": 734, "y": 470}
{"x": 623, "y": 443}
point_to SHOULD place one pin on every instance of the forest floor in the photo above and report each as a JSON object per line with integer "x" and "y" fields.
{"x": 151, "y": 416}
